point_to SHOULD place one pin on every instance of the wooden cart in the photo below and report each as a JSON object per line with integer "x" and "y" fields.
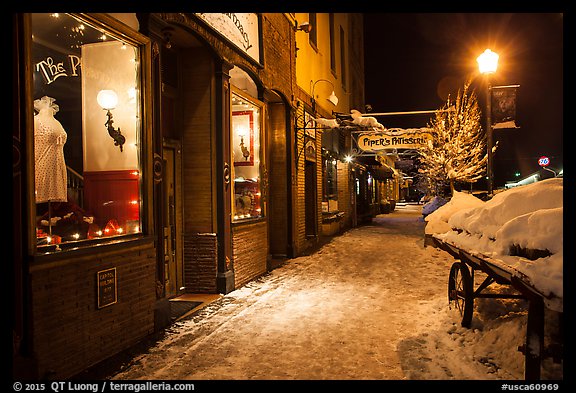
{"x": 461, "y": 293}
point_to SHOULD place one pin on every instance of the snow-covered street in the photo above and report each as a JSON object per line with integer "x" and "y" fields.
{"x": 369, "y": 305}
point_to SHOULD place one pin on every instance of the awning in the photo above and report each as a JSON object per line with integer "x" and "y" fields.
{"x": 382, "y": 173}
{"x": 367, "y": 160}
{"x": 376, "y": 169}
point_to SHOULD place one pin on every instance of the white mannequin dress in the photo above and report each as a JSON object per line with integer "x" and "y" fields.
{"x": 49, "y": 140}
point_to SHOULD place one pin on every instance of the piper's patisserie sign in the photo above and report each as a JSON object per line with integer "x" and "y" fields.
{"x": 409, "y": 139}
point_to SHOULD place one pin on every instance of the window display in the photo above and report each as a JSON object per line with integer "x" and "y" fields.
{"x": 87, "y": 128}
{"x": 49, "y": 140}
{"x": 329, "y": 182}
{"x": 246, "y": 117}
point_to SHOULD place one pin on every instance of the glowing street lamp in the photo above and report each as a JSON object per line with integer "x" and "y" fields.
{"x": 487, "y": 64}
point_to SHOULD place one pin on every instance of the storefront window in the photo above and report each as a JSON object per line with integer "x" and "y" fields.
{"x": 86, "y": 132}
{"x": 371, "y": 188}
{"x": 329, "y": 184}
{"x": 246, "y": 123}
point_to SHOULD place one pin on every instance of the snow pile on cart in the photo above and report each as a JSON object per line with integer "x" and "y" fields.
{"x": 521, "y": 227}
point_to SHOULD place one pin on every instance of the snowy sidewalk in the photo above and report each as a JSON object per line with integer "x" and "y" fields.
{"x": 371, "y": 304}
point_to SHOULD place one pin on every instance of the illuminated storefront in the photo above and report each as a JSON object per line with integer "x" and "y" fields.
{"x": 246, "y": 153}
{"x": 87, "y": 132}
{"x": 84, "y": 254}
{"x": 214, "y": 110}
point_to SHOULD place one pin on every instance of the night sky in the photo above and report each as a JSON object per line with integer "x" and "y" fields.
{"x": 413, "y": 61}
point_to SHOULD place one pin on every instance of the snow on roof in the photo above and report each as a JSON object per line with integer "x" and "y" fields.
{"x": 528, "y": 217}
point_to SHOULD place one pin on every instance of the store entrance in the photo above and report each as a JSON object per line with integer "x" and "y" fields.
{"x": 173, "y": 266}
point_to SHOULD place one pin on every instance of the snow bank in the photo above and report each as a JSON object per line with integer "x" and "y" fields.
{"x": 507, "y": 205}
{"x": 432, "y": 205}
{"x": 526, "y": 217}
{"x": 437, "y": 220}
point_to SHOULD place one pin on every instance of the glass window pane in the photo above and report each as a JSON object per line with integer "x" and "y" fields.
{"x": 330, "y": 184}
{"x": 86, "y": 132}
{"x": 246, "y": 120}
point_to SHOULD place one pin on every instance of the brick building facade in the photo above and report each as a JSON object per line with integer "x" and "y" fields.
{"x": 228, "y": 180}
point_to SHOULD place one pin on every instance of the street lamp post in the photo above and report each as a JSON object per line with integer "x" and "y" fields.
{"x": 488, "y": 63}
{"x": 333, "y": 99}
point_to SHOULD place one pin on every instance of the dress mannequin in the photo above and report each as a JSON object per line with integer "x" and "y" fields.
{"x": 49, "y": 140}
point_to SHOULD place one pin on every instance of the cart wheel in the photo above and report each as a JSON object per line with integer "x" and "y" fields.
{"x": 460, "y": 291}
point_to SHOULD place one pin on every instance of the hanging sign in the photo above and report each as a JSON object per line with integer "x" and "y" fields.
{"x": 310, "y": 149}
{"x": 412, "y": 138}
{"x": 504, "y": 106}
{"x": 241, "y": 29}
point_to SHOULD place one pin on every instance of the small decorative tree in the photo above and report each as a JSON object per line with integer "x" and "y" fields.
{"x": 457, "y": 151}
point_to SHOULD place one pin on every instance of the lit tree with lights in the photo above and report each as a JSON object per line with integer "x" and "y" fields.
{"x": 457, "y": 150}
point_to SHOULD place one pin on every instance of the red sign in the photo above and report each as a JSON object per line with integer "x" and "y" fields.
{"x": 543, "y": 161}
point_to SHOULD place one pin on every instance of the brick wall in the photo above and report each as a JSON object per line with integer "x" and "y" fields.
{"x": 250, "y": 250}
{"x": 200, "y": 252}
{"x": 278, "y": 175}
{"x": 319, "y": 181}
{"x": 344, "y": 194}
{"x": 280, "y": 70}
{"x": 69, "y": 331}
{"x": 299, "y": 179}
{"x": 200, "y": 262}
{"x": 198, "y": 154}
{"x": 302, "y": 242}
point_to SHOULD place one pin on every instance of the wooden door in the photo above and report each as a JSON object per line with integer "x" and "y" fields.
{"x": 172, "y": 212}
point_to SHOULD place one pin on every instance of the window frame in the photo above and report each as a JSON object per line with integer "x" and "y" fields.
{"x": 261, "y": 156}
{"x": 120, "y": 32}
{"x": 313, "y": 34}
{"x": 329, "y": 175}
{"x": 343, "y": 60}
{"x": 332, "y": 23}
